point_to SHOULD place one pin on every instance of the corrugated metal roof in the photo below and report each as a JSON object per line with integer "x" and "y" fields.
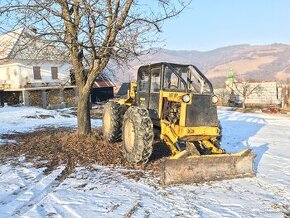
{"x": 102, "y": 82}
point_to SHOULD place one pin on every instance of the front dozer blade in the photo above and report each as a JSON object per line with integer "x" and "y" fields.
{"x": 196, "y": 169}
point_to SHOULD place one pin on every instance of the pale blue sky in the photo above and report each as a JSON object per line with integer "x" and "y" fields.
{"x": 210, "y": 24}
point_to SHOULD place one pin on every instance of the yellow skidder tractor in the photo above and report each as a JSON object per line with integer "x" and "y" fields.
{"x": 176, "y": 102}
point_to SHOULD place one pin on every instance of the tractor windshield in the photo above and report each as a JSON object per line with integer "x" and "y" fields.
{"x": 197, "y": 83}
{"x": 192, "y": 79}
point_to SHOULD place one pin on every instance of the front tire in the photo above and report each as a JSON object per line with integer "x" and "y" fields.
{"x": 112, "y": 121}
{"x": 137, "y": 135}
{"x": 219, "y": 137}
{"x": 218, "y": 140}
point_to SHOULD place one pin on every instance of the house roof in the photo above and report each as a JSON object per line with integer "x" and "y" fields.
{"x": 102, "y": 82}
{"x": 26, "y": 44}
{"x": 8, "y": 42}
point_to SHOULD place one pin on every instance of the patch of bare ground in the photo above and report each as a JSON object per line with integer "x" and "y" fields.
{"x": 52, "y": 147}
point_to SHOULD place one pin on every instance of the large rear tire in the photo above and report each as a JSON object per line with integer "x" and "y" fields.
{"x": 137, "y": 135}
{"x": 112, "y": 121}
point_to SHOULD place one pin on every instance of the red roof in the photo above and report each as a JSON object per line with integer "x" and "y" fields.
{"x": 101, "y": 82}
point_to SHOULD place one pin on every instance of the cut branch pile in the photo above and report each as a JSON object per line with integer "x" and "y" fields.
{"x": 51, "y": 148}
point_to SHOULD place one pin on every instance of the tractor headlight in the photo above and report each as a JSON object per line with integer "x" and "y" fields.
{"x": 186, "y": 98}
{"x": 214, "y": 99}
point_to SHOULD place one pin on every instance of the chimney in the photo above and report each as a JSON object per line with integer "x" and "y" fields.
{"x": 33, "y": 29}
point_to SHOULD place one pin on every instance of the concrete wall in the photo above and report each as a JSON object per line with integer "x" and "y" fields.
{"x": 264, "y": 94}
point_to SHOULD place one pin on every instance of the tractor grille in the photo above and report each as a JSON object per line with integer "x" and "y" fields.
{"x": 202, "y": 112}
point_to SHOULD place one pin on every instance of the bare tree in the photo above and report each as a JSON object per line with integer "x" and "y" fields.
{"x": 92, "y": 32}
{"x": 245, "y": 89}
{"x": 285, "y": 94}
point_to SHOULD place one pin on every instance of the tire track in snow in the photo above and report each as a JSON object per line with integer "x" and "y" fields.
{"x": 137, "y": 199}
{"x": 40, "y": 194}
{"x": 39, "y": 189}
{"x": 62, "y": 208}
{"x": 168, "y": 204}
{"x": 28, "y": 185}
{"x": 126, "y": 198}
{"x": 2, "y": 173}
{"x": 36, "y": 198}
{"x": 275, "y": 190}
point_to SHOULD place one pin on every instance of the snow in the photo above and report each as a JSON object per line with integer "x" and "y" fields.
{"x": 26, "y": 119}
{"x": 105, "y": 192}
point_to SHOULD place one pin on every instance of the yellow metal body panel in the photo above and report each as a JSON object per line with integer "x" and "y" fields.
{"x": 188, "y": 133}
{"x": 174, "y": 97}
{"x": 131, "y": 95}
{"x": 172, "y": 133}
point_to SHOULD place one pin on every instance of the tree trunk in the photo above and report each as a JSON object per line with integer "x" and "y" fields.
{"x": 244, "y": 104}
{"x": 83, "y": 113}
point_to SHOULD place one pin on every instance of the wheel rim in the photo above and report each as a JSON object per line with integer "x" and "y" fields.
{"x": 129, "y": 134}
{"x": 107, "y": 122}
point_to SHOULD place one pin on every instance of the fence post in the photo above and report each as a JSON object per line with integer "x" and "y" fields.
{"x": 25, "y": 97}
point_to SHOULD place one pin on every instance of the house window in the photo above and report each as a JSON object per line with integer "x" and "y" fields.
{"x": 36, "y": 73}
{"x": 54, "y": 72}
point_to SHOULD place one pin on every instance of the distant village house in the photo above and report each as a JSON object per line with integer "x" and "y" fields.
{"x": 35, "y": 72}
{"x": 254, "y": 94}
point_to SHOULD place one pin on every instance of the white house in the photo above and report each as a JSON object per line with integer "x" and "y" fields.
{"x": 28, "y": 61}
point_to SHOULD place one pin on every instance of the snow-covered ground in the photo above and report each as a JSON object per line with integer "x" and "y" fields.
{"x": 25, "y": 119}
{"x": 105, "y": 192}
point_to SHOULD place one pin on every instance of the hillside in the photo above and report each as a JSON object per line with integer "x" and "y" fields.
{"x": 263, "y": 62}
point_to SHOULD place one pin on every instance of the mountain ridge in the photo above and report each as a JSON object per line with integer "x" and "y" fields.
{"x": 249, "y": 62}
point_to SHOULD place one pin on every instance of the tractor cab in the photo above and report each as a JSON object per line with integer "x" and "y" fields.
{"x": 185, "y": 85}
{"x": 173, "y": 77}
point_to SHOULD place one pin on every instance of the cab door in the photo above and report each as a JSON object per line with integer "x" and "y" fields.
{"x": 143, "y": 86}
{"x": 155, "y": 86}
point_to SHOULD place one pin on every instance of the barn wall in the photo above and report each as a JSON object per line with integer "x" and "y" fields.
{"x": 11, "y": 98}
{"x": 102, "y": 94}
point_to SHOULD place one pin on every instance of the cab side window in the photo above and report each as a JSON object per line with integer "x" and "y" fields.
{"x": 171, "y": 81}
{"x": 144, "y": 79}
{"x": 155, "y": 79}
